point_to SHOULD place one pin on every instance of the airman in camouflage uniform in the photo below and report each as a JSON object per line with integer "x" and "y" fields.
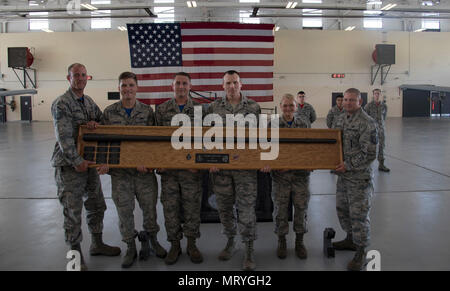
{"x": 130, "y": 183}
{"x": 305, "y": 109}
{"x": 285, "y": 182}
{"x": 355, "y": 181}
{"x": 236, "y": 186}
{"x": 378, "y": 111}
{"x": 334, "y": 112}
{"x": 74, "y": 180}
{"x": 181, "y": 189}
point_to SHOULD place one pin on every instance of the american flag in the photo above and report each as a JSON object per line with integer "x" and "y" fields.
{"x": 205, "y": 50}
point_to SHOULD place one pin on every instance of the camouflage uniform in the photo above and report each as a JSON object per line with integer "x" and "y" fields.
{"x": 355, "y": 185}
{"x": 181, "y": 189}
{"x": 283, "y": 183}
{"x": 129, "y": 183}
{"x": 378, "y": 113}
{"x": 236, "y": 186}
{"x": 307, "y": 111}
{"x": 333, "y": 114}
{"x": 68, "y": 114}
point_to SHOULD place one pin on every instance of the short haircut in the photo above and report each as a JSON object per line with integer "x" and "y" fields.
{"x": 182, "y": 74}
{"x": 128, "y": 75}
{"x": 74, "y": 65}
{"x": 339, "y": 96}
{"x": 353, "y": 91}
{"x": 288, "y": 97}
{"x": 379, "y": 90}
{"x": 301, "y": 92}
{"x": 231, "y": 72}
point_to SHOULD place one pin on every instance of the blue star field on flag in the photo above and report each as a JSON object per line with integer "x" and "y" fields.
{"x": 155, "y": 45}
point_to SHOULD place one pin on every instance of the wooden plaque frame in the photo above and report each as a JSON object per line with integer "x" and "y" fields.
{"x": 150, "y": 146}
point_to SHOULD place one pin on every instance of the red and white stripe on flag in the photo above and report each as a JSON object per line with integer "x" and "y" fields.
{"x": 209, "y": 50}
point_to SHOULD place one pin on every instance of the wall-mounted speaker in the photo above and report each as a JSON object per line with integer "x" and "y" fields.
{"x": 19, "y": 57}
{"x": 385, "y": 54}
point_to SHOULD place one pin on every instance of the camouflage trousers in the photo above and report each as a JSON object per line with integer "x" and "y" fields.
{"x": 181, "y": 197}
{"x": 283, "y": 184}
{"x": 73, "y": 188}
{"x": 238, "y": 188}
{"x": 143, "y": 187}
{"x": 353, "y": 202}
{"x": 381, "y": 143}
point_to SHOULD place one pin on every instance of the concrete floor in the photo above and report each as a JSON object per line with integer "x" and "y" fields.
{"x": 409, "y": 215}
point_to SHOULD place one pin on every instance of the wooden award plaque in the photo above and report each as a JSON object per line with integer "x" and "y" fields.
{"x": 150, "y": 146}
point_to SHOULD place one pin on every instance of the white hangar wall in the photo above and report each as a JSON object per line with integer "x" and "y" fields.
{"x": 304, "y": 60}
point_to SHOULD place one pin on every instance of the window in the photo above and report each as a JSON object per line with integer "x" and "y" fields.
{"x": 372, "y": 12}
{"x": 373, "y": 22}
{"x": 38, "y": 24}
{"x": 101, "y": 23}
{"x": 431, "y": 24}
{"x": 374, "y": 4}
{"x": 312, "y": 22}
{"x": 166, "y": 13}
{"x": 244, "y": 17}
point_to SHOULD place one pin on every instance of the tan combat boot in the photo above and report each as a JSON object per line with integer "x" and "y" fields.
{"x": 193, "y": 252}
{"x": 98, "y": 248}
{"x": 131, "y": 255}
{"x": 346, "y": 244}
{"x": 282, "y": 249}
{"x": 249, "y": 261}
{"x": 300, "y": 249}
{"x": 358, "y": 261}
{"x": 228, "y": 251}
{"x": 174, "y": 253}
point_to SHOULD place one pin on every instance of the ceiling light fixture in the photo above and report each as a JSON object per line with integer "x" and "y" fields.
{"x": 389, "y": 6}
{"x": 427, "y": 3}
{"x": 350, "y": 28}
{"x": 191, "y": 4}
{"x": 122, "y": 28}
{"x": 291, "y": 5}
{"x": 47, "y": 30}
{"x": 420, "y": 30}
{"x": 89, "y": 6}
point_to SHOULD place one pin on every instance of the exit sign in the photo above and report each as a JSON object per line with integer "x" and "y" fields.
{"x": 334, "y": 76}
